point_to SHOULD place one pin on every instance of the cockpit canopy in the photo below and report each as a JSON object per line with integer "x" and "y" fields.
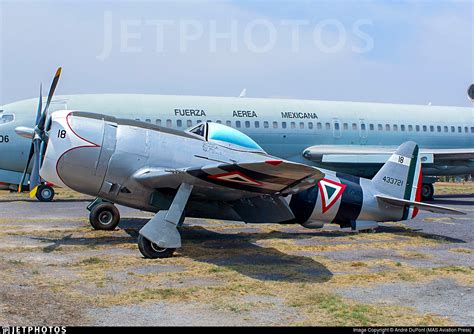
{"x": 226, "y": 136}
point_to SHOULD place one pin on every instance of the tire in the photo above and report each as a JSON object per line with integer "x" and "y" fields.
{"x": 104, "y": 216}
{"x": 151, "y": 251}
{"x": 427, "y": 191}
{"x": 45, "y": 193}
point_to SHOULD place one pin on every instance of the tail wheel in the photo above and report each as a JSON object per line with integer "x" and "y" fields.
{"x": 45, "y": 193}
{"x": 151, "y": 250}
{"x": 104, "y": 216}
{"x": 427, "y": 191}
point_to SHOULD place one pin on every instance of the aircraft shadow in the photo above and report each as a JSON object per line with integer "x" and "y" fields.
{"x": 238, "y": 252}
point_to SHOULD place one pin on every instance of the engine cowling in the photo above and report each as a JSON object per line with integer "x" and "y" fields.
{"x": 76, "y": 156}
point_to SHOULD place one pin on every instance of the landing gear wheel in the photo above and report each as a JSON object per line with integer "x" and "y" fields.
{"x": 151, "y": 250}
{"x": 104, "y": 216}
{"x": 45, "y": 193}
{"x": 427, "y": 191}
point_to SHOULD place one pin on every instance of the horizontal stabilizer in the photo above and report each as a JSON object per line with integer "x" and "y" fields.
{"x": 418, "y": 205}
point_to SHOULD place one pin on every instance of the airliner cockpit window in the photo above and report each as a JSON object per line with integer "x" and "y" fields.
{"x": 6, "y": 118}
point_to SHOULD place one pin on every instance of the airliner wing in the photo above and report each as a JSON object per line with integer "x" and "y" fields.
{"x": 362, "y": 154}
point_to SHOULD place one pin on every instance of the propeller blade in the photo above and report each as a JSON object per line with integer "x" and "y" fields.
{"x": 35, "y": 178}
{"x": 40, "y": 105}
{"x": 48, "y": 101}
{"x": 23, "y": 177}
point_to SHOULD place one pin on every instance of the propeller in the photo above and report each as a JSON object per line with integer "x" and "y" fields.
{"x": 38, "y": 143}
{"x": 470, "y": 92}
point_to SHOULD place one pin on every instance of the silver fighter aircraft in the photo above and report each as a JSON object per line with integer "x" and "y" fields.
{"x": 214, "y": 171}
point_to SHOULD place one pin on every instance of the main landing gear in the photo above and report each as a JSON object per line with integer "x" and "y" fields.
{"x": 45, "y": 193}
{"x": 427, "y": 191}
{"x": 103, "y": 215}
{"x": 159, "y": 238}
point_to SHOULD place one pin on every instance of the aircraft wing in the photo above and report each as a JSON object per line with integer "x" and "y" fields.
{"x": 367, "y": 154}
{"x": 275, "y": 177}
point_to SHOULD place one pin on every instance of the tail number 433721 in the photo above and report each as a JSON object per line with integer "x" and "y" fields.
{"x": 394, "y": 181}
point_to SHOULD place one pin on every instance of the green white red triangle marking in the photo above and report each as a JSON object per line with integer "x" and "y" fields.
{"x": 330, "y": 192}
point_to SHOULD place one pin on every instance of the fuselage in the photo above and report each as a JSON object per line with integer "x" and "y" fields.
{"x": 282, "y": 127}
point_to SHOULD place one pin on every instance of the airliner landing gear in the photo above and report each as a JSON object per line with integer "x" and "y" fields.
{"x": 427, "y": 191}
{"x": 45, "y": 193}
{"x": 104, "y": 215}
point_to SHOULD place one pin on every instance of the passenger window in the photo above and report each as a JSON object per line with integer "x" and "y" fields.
{"x": 257, "y": 124}
{"x": 168, "y": 123}
{"x": 380, "y": 127}
{"x": 395, "y": 127}
{"x": 189, "y": 123}
{"x": 179, "y": 123}
{"x": 275, "y": 125}
{"x": 228, "y": 123}
{"x": 247, "y": 124}
{"x": 402, "y": 127}
{"x": 301, "y": 125}
{"x": 431, "y": 128}
{"x": 466, "y": 129}
{"x": 371, "y": 127}
{"x": 345, "y": 126}
{"x": 283, "y": 125}
{"x": 158, "y": 122}
{"x": 387, "y": 127}
{"x": 328, "y": 126}
{"x": 472, "y": 129}
{"x": 417, "y": 128}
{"x": 354, "y": 126}
{"x": 362, "y": 126}
{"x": 219, "y": 121}
{"x": 198, "y": 121}
{"x": 446, "y": 129}
{"x": 293, "y": 125}
{"x": 265, "y": 124}
{"x": 438, "y": 128}
{"x": 425, "y": 128}
{"x": 319, "y": 126}
{"x": 336, "y": 125}
{"x": 453, "y": 129}
{"x": 310, "y": 125}
{"x": 237, "y": 124}
{"x": 410, "y": 128}
{"x": 459, "y": 129}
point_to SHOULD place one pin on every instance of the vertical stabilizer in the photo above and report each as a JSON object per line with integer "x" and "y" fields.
{"x": 400, "y": 176}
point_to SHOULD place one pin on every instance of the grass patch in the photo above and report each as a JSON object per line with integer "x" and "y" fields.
{"x": 462, "y": 250}
{"x": 92, "y": 260}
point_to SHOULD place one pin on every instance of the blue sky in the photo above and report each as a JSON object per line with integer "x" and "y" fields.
{"x": 420, "y": 51}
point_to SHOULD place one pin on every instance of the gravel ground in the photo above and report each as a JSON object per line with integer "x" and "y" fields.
{"x": 56, "y": 270}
